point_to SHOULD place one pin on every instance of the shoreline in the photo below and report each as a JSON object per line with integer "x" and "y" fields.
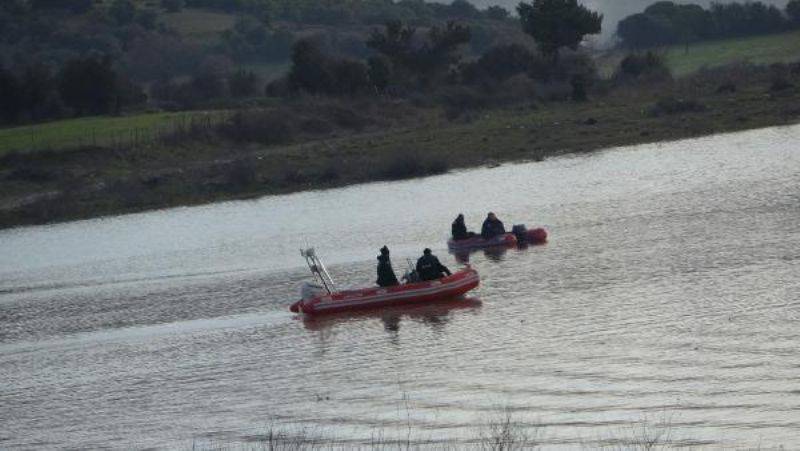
{"x": 419, "y": 142}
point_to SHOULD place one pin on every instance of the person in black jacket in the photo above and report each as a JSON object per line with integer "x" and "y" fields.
{"x": 459, "y": 229}
{"x": 386, "y": 276}
{"x": 492, "y": 227}
{"x": 430, "y": 268}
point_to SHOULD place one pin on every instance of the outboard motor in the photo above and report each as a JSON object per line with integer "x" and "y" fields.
{"x": 521, "y": 232}
{"x": 411, "y": 276}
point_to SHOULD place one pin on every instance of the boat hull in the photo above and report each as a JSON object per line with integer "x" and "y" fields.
{"x": 478, "y": 242}
{"x": 448, "y": 287}
{"x": 534, "y": 236}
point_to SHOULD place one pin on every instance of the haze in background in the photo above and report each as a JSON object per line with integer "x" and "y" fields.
{"x": 615, "y": 10}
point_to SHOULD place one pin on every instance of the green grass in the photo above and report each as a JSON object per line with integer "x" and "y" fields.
{"x": 768, "y": 49}
{"x": 89, "y": 131}
{"x": 775, "y": 48}
{"x": 197, "y": 24}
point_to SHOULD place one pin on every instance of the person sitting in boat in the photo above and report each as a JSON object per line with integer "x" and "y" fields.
{"x": 386, "y": 276}
{"x": 430, "y": 268}
{"x": 492, "y": 227}
{"x": 459, "y": 229}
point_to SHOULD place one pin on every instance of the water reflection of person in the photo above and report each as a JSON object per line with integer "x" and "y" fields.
{"x": 495, "y": 254}
{"x": 386, "y": 276}
{"x": 461, "y": 256}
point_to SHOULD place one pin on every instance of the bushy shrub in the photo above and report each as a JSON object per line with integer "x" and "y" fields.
{"x": 243, "y": 83}
{"x": 499, "y": 63}
{"x": 462, "y": 98}
{"x": 793, "y": 11}
{"x": 646, "y": 67}
{"x": 317, "y": 73}
{"x": 264, "y": 127}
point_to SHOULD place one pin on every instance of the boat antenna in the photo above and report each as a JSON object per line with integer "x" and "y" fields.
{"x": 318, "y": 269}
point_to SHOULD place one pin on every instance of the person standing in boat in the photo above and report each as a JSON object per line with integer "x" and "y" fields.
{"x": 459, "y": 229}
{"x": 430, "y": 268}
{"x": 386, "y": 276}
{"x": 492, "y": 227}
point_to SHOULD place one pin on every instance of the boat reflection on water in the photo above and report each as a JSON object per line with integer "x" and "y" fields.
{"x": 436, "y": 314}
{"x": 494, "y": 254}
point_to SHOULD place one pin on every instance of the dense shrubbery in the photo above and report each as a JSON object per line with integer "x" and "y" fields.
{"x": 793, "y": 11}
{"x": 667, "y": 23}
{"x": 82, "y": 86}
{"x": 500, "y": 63}
{"x": 394, "y": 59}
{"x": 369, "y": 12}
{"x": 646, "y": 67}
{"x": 317, "y": 73}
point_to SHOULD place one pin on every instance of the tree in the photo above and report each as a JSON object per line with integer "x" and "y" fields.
{"x": 309, "y": 70}
{"x": 395, "y": 42}
{"x": 423, "y": 61}
{"x": 463, "y": 9}
{"x": 793, "y": 11}
{"x": 641, "y": 30}
{"x": 505, "y": 61}
{"x": 122, "y": 11}
{"x": 243, "y": 83}
{"x": 497, "y": 13}
{"x": 558, "y": 23}
{"x": 88, "y": 85}
{"x": 314, "y": 72}
{"x": 379, "y": 71}
{"x": 40, "y": 99}
{"x": 10, "y": 96}
{"x": 349, "y": 77}
{"x": 666, "y": 23}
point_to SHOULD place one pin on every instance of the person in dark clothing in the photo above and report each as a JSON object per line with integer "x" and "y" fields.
{"x": 430, "y": 268}
{"x": 386, "y": 277}
{"x": 459, "y": 229}
{"x": 492, "y": 227}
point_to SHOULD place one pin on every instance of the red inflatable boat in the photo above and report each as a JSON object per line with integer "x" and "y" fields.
{"x": 534, "y": 236}
{"x": 413, "y": 293}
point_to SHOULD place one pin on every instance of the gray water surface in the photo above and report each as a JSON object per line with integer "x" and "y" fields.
{"x": 670, "y": 291}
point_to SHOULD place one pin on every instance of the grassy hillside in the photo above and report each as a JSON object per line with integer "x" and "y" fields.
{"x": 784, "y": 47}
{"x": 99, "y": 131}
{"x": 108, "y": 130}
{"x": 339, "y": 142}
{"x": 757, "y": 49}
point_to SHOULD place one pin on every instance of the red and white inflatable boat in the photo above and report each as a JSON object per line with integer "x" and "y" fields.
{"x": 534, "y": 236}
{"x": 412, "y": 293}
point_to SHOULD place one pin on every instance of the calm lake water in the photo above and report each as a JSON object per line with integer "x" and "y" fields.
{"x": 670, "y": 291}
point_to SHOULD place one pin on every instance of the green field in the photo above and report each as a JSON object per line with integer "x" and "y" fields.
{"x": 775, "y": 48}
{"x": 91, "y": 131}
{"x": 199, "y": 25}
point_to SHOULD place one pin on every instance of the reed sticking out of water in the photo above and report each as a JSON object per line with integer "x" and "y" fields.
{"x": 502, "y": 432}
